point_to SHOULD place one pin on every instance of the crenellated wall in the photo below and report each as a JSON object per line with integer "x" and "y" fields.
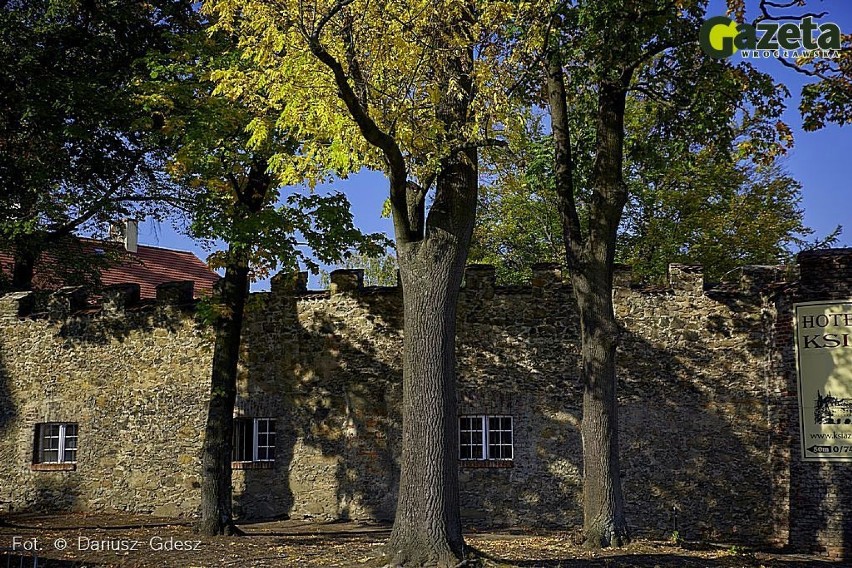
{"x": 708, "y": 417}
{"x": 130, "y": 374}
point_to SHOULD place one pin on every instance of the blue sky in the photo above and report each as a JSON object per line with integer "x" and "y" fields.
{"x": 821, "y": 161}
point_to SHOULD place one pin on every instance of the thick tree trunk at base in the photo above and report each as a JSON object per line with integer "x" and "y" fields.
{"x": 604, "y": 523}
{"x": 427, "y": 527}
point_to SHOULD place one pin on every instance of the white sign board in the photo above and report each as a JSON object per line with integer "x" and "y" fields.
{"x": 824, "y": 368}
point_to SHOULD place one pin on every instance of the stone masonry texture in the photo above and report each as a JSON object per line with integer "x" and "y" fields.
{"x": 707, "y": 400}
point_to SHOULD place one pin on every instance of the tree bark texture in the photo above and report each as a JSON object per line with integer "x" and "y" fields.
{"x": 216, "y": 491}
{"x": 604, "y": 522}
{"x": 590, "y": 255}
{"x": 427, "y": 527}
{"x": 432, "y": 250}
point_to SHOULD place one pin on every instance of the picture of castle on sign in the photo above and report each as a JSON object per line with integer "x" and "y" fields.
{"x": 832, "y": 410}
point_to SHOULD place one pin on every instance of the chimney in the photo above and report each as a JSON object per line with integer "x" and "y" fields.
{"x": 127, "y": 233}
{"x": 131, "y": 235}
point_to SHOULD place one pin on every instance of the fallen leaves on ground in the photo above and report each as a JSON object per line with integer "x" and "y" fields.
{"x": 135, "y": 541}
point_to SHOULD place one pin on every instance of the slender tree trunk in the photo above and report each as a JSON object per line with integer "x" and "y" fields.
{"x": 427, "y": 527}
{"x": 216, "y": 491}
{"x": 604, "y": 522}
{"x": 590, "y": 255}
{"x": 216, "y": 512}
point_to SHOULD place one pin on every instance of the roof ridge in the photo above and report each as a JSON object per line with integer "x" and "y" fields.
{"x": 139, "y": 245}
{"x": 171, "y": 250}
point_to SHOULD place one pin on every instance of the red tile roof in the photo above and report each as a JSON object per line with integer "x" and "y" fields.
{"x": 148, "y": 267}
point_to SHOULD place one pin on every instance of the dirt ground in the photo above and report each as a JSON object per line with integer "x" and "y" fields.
{"x": 129, "y": 541}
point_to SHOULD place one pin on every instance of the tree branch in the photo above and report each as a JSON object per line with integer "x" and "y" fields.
{"x": 315, "y": 35}
{"x": 352, "y": 60}
{"x": 416, "y": 207}
{"x": 787, "y": 5}
{"x": 802, "y": 70}
{"x": 473, "y": 145}
{"x": 765, "y": 15}
{"x": 563, "y": 160}
{"x": 658, "y": 48}
{"x": 397, "y": 169}
{"x": 96, "y": 207}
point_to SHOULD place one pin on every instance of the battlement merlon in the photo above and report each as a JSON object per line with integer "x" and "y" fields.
{"x": 17, "y": 304}
{"x": 66, "y": 301}
{"x": 118, "y": 297}
{"x": 346, "y": 280}
{"x": 686, "y": 278}
{"x": 479, "y": 279}
{"x": 825, "y": 267}
{"x": 177, "y": 293}
{"x": 289, "y": 282}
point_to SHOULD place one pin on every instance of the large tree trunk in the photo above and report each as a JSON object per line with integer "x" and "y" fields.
{"x": 603, "y": 505}
{"x": 216, "y": 512}
{"x": 604, "y": 522}
{"x": 427, "y": 527}
{"x": 432, "y": 251}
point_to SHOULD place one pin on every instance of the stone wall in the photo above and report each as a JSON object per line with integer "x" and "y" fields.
{"x": 134, "y": 382}
{"x": 708, "y": 415}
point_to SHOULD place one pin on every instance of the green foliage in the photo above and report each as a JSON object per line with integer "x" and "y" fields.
{"x": 722, "y": 216}
{"x": 700, "y": 208}
{"x": 75, "y": 148}
{"x": 743, "y": 554}
{"x": 390, "y": 52}
{"x": 702, "y": 150}
{"x": 216, "y": 151}
{"x": 675, "y": 538}
{"x": 828, "y": 100}
{"x": 828, "y": 97}
{"x": 518, "y": 222}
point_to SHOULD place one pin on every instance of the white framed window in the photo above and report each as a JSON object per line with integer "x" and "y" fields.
{"x": 483, "y": 437}
{"x": 55, "y": 442}
{"x": 254, "y": 440}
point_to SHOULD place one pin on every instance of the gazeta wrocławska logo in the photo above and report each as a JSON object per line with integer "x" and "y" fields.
{"x": 721, "y": 37}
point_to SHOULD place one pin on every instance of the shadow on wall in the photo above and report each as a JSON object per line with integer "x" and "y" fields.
{"x": 693, "y": 444}
{"x": 693, "y": 425}
{"x": 693, "y": 428}
{"x": 337, "y": 377}
{"x": 58, "y": 492}
{"x": 12, "y": 305}
{"x": 336, "y": 409}
{"x": 121, "y": 311}
{"x": 514, "y": 347}
{"x": 8, "y": 412}
{"x": 694, "y": 434}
